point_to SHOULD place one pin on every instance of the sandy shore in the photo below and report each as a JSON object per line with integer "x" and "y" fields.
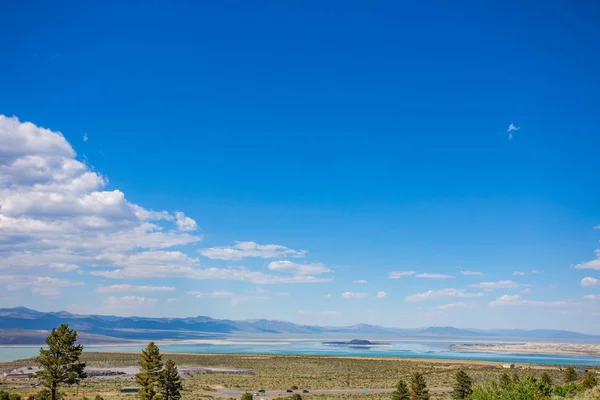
{"x": 532, "y": 348}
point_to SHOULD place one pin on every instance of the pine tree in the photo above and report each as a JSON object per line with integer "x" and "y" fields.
{"x": 148, "y": 378}
{"x": 505, "y": 380}
{"x": 60, "y": 363}
{"x": 589, "y": 381}
{"x": 401, "y": 392}
{"x": 170, "y": 382}
{"x": 546, "y": 379}
{"x": 418, "y": 387}
{"x": 463, "y": 388}
{"x": 570, "y": 375}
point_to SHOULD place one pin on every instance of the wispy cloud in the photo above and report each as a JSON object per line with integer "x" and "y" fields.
{"x": 232, "y": 297}
{"x": 132, "y": 288}
{"x": 381, "y": 295}
{"x": 442, "y": 293}
{"x": 519, "y": 273}
{"x": 128, "y": 301}
{"x": 354, "y": 295}
{"x": 434, "y": 276}
{"x": 298, "y": 269}
{"x": 360, "y": 281}
{"x": 85, "y": 137}
{"x": 250, "y": 249}
{"x": 400, "y": 274}
{"x": 43, "y": 285}
{"x": 328, "y": 296}
{"x": 497, "y": 285}
{"x": 517, "y": 301}
{"x": 511, "y": 128}
{"x": 471, "y": 273}
{"x": 453, "y": 306}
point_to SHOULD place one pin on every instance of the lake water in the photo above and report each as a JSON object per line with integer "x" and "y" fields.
{"x": 408, "y": 349}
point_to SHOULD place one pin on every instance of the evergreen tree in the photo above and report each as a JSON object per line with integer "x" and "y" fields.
{"x": 463, "y": 388}
{"x": 401, "y": 392}
{"x": 505, "y": 380}
{"x": 60, "y": 363}
{"x": 589, "y": 381}
{"x": 546, "y": 379}
{"x": 418, "y": 387}
{"x": 150, "y": 364}
{"x": 170, "y": 382}
{"x": 515, "y": 377}
{"x": 570, "y": 375}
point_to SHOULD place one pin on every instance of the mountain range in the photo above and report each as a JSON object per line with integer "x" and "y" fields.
{"x": 17, "y": 326}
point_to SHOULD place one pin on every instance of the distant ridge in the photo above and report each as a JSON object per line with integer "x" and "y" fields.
{"x": 21, "y": 319}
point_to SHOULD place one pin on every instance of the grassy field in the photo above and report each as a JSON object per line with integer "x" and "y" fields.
{"x": 282, "y": 372}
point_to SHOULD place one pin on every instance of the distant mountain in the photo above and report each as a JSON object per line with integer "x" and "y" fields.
{"x": 20, "y": 322}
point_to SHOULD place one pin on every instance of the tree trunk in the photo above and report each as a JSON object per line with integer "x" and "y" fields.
{"x": 53, "y": 392}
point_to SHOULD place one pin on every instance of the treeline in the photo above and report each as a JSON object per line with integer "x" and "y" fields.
{"x": 507, "y": 388}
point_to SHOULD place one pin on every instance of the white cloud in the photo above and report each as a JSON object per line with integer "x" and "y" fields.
{"x": 328, "y": 295}
{"x": 452, "y": 306}
{"x": 590, "y": 282}
{"x": 381, "y": 295}
{"x": 128, "y": 301}
{"x": 171, "y": 300}
{"x": 185, "y": 224}
{"x": 593, "y": 264}
{"x": 471, "y": 273}
{"x": 497, "y": 285}
{"x": 43, "y": 285}
{"x": 232, "y": 297}
{"x": 519, "y": 273}
{"x": 517, "y": 301}
{"x": 526, "y": 291}
{"x": 85, "y": 137}
{"x": 360, "y": 281}
{"x": 435, "y": 294}
{"x": 535, "y": 271}
{"x": 298, "y": 269}
{"x": 132, "y": 288}
{"x": 434, "y": 276}
{"x": 354, "y": 295}
{"x": 400, "y": 274}
{"x": 250, "y": 249}
{"x": 591, "y": 297}
{"x": 510, "y": 129}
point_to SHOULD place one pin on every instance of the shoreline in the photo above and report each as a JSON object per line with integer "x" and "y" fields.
{"x": 587, "y": 350}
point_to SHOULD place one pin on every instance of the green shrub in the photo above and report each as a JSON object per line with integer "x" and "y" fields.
{"x": 4, "y": 395}
{"x": 14, "y": 396}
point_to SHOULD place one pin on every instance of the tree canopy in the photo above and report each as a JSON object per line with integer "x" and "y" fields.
{"x": 150, "y": 367}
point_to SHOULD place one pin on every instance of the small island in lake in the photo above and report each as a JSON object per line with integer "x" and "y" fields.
{"x": 356, "y": 343}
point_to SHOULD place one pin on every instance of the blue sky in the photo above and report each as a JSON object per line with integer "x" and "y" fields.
{"x": 246, "y": 160}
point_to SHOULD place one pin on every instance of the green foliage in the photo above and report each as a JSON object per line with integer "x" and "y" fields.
{"x": 463, "y": 388}
{"x": 14, "y": 396}
{"x": 566, "y": 390}
{"x": 4, "y": 395}
{"x": 546, "y": 379}
{"x": 505, "y": 380}
{"x": 418, "y": 387}
{"x": 44, "y": 394}
{"x": 247, "y": 396}
{"x": 170, "y": 382}
{"x": 401, "y": 392}
{"x": 488, "y": 391}
{"x": 98, "y": 397}
{"x": 60, "y": 364}
{"x": 589, "y": 381}
{"x": 570, "y": 375}
{"x": 294, "y": 387}
{"x": 296, "y": 396}
{"x": 527, "y": 389}
{"x": 150, "y": 364}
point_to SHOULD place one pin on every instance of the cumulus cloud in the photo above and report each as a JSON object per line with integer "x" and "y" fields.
{"x": 518, "y": 301}
{"x": 132, "y": 288}
{"x": 185, "y": 224}
{"x": 434, "y": 276}
{"x": 354, "y": 295}
{"x": 250, "y": 249}
{"x": 360, "y": 281}
{"x": 43, "y": 285}
{"x": 592, "y": 264}
{"x": 497, "y": 285}
{"x": 328, "y": 295}
{"x": 471, "y": 273}
{"x": 381, "y": 295}
{"x": 232, "y": 297}
{"x": 442, "y": 293}
{"x": 400, "y": 274}
{"x": 588, "y": 282}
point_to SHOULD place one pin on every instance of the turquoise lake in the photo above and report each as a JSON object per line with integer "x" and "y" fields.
{"x": 409, "y": 349}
